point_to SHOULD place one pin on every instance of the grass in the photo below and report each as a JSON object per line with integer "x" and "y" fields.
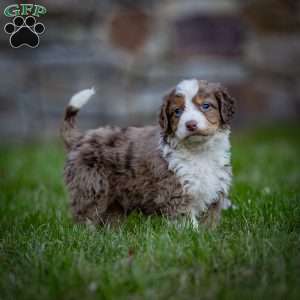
{"x": 253, "y": 254}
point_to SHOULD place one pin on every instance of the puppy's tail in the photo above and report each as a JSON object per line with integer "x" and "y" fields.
{"x": 69, "y": 131}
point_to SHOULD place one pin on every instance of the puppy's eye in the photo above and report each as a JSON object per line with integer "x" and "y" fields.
{"x": 178, "y": 112}
{"x": 205, "y": 106}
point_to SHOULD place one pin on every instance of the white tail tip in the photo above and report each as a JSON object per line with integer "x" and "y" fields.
{"x": 81, "y": 98}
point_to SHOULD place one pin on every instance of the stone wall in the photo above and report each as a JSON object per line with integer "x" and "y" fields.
{"x": 135, "y": 51}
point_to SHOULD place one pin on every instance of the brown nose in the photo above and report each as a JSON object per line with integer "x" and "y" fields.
{"x": 191, "y": 125}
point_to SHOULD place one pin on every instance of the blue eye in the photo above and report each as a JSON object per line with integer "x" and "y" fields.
{"x": 178, "y": 112}
{"x": 205, "y": 106}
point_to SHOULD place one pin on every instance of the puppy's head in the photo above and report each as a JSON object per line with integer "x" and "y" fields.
{"x": 196, "y": 109}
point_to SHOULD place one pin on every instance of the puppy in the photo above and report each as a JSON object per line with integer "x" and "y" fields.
{"x": 181, "y": 167}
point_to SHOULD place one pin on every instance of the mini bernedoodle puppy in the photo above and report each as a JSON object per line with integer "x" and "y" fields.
{"x": 181, "y": 167}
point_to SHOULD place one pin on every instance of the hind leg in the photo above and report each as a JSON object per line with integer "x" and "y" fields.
{"x": 91, "y": 204}
{"x": 88, "y": 189}
{"x": 88, "y": 207}
{"x": 114, "y": 215}
{"x": 92, "y": 213}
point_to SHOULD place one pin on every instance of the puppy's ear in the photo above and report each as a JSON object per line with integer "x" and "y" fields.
{"x": 226, "y": 105}
{"x": 163, "y": 115}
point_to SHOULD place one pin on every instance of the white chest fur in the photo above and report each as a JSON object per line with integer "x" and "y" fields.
{"x": 201, "y": 169}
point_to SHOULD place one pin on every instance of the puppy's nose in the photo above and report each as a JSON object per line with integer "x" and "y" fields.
{"x": 191, "y": 125}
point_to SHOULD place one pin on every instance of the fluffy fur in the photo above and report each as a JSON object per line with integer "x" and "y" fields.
{"x": 206, "y": 177}
{"x": 181, "y": 167}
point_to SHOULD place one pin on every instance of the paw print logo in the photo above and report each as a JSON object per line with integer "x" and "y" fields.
{"x": 24, "y": 32}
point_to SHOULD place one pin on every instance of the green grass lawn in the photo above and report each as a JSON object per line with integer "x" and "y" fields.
{"x": 253, "y": 254}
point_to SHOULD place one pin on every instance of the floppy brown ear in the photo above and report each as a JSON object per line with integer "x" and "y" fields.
{"x": 163, "y": 115}
{"x": 226, "y": 105}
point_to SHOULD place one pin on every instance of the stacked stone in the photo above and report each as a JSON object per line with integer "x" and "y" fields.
{"x": 134, "y": 51}
{"x": 271, "y": 55}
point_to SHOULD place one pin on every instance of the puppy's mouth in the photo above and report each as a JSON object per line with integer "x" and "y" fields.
{"x": 197, "y": 133}
{"x": 196, "y": 138}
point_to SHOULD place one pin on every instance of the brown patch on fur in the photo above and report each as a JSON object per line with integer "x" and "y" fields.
{"x": 227, "y": 105}
{"x": 168, "y": 119}
{"x": 212, "y": 114}
{"x": 217, "y": 95}
{"x": 163, "y": 117}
